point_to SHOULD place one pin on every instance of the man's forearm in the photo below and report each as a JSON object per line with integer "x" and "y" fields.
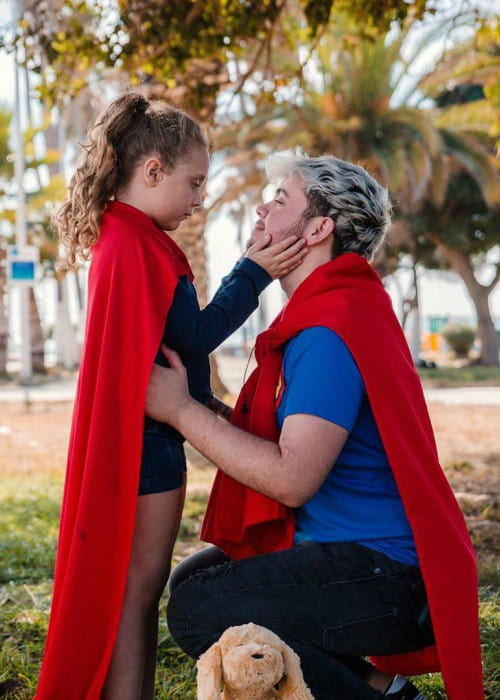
{"x": 290, "y": 471}
{"x": 255, "y": 462}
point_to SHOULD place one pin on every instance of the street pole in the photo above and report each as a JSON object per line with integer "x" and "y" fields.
{"x": 26, "y": 373}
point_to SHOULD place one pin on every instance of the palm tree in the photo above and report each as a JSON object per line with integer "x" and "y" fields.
{"x": 349, "y": 107}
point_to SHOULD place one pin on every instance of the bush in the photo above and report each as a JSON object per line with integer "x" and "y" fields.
{"x": 459, "y": 337}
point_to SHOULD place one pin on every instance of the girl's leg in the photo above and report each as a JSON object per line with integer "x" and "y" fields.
{"x": 132, "y": 669}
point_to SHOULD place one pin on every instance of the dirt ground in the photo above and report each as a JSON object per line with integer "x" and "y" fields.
{"x": 33, "y": 441}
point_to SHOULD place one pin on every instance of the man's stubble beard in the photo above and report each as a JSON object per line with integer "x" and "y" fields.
{"x": 295, "y": 229}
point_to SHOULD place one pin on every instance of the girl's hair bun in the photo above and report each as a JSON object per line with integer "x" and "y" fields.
{"x": 140, "y": 104}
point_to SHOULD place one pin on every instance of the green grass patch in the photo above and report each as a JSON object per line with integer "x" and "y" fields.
{"x": 29, "y": 516}
{"x": 176, "y": 672}
{"x": 29, "y": 511}
{"x": 460, "y": 376}
{"x": 431, "y": 685}
{"x": 23, "y": 624}
{"x": 192, "y": 515}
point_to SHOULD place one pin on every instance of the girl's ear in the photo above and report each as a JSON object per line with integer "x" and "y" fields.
{"x": 152, "y": 172}
{"x": 318, "y": 229}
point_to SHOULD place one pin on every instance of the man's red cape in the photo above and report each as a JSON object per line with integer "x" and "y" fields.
{"x": 133, "y": 274}
{"x": 347, "y": 296}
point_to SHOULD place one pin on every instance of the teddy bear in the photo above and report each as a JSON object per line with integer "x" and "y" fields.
{"x": 249, "y": 662}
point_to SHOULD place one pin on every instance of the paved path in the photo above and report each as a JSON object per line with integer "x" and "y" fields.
{"x": 465, "y": 395}
{"x": 233, "y": 369}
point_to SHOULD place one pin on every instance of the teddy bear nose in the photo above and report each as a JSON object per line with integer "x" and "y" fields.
{"x": 257, "y": 656}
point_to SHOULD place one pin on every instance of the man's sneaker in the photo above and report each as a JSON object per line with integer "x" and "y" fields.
{"x": 402, "y": 689}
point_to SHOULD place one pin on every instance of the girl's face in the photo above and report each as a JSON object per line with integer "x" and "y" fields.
{"x": 177, "y": 193}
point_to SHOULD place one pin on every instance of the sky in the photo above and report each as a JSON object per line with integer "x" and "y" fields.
{"x": 441, "y": 294}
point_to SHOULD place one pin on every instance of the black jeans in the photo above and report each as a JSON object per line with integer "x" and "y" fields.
{"x": 333, "y": 603}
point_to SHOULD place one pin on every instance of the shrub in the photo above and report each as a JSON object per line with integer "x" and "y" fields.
{"x": 459, "y": 337}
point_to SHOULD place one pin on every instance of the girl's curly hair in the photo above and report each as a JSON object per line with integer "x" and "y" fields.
{"x": 129, "y": 129}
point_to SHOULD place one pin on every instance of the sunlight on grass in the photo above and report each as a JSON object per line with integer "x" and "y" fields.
{"x": 28, "y": 528}
{"x": 29, "y": 510}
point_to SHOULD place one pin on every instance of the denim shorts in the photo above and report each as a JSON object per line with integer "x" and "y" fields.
{"x": 163, "y": 463}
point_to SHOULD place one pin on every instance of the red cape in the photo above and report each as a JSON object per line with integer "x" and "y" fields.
{"x": 133, "y": 274}
{"x": 347, "y": 296}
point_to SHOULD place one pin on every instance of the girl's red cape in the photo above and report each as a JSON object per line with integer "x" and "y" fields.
{"x": 347, "y": 296}
{"x": 133, "y": 274}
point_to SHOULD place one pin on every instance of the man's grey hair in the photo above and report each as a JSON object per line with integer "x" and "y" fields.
{"x": 346, "y": 192}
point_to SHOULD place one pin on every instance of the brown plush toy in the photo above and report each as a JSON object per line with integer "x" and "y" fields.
{"x": 249, "y": 662}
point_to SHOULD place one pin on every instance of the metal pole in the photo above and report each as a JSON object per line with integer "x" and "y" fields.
{"x": 26, "y": 373}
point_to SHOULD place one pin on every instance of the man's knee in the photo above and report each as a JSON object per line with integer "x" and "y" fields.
{"x": 210, "y": 556}
{"x": 188, "y": 629}
{"x": 194, "y": 622}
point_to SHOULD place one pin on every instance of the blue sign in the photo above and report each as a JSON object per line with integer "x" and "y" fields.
{"x": 22, "y": 263}
{"x": 22, "y": 271}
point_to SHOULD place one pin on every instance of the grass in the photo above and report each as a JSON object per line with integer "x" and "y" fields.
{"x": 469, "y": 375}
{"x": 28, "y": 523}
{"x": 29, "y": 512}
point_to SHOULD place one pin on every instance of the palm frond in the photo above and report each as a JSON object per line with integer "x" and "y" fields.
{"x": 420, "y": 122}
{"x": 439, "y": 180}
{"x": 476, "y": 161}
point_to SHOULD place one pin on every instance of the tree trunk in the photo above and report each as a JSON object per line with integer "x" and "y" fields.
{"x": 37, "y": 335}
{"x": 411, "y": 315}
{"x": 4, "y": 326}
{"x": 479, "y": 294}
{"x": 485, "y": 327}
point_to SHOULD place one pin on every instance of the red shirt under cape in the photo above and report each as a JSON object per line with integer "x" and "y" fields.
{"x": 133, "y": 274}
{"x": 347, "y": 296}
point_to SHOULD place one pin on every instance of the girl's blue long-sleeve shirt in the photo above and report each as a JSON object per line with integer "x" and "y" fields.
{"x": 194, "y": 333}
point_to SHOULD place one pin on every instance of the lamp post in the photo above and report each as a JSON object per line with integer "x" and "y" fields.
{"x": 26, "y": 372}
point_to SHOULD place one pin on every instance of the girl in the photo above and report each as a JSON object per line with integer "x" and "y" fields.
{"x": 140, "y": 175}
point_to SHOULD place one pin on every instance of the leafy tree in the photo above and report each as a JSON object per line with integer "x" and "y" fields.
{"x": 458, "y": 235}
{"x": 348, "y": 109}
{"x": 163, "y": 41}
{"x": 187, "y": 50}
{"x": 466, "y": 84}
{"x": 461, "y": 232}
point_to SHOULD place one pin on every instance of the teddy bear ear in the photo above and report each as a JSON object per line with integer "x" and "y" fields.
{"x": 209, "y": 678}
{"x": 293, "y": 685}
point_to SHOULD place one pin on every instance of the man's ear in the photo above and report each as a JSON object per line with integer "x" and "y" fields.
{"x": 152, "y": 171}
{"x": 318, "y": 230}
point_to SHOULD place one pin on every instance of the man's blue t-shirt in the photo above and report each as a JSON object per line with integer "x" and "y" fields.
{"x": 359, "y": 500}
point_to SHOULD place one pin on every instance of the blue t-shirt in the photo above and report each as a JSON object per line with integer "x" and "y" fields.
{"x": 359, "y": 500}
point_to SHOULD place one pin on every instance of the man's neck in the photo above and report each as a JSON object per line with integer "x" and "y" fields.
{"x": 313, "y": 260}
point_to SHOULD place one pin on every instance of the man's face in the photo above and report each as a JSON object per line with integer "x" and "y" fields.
{"x": 282, "y": 216}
